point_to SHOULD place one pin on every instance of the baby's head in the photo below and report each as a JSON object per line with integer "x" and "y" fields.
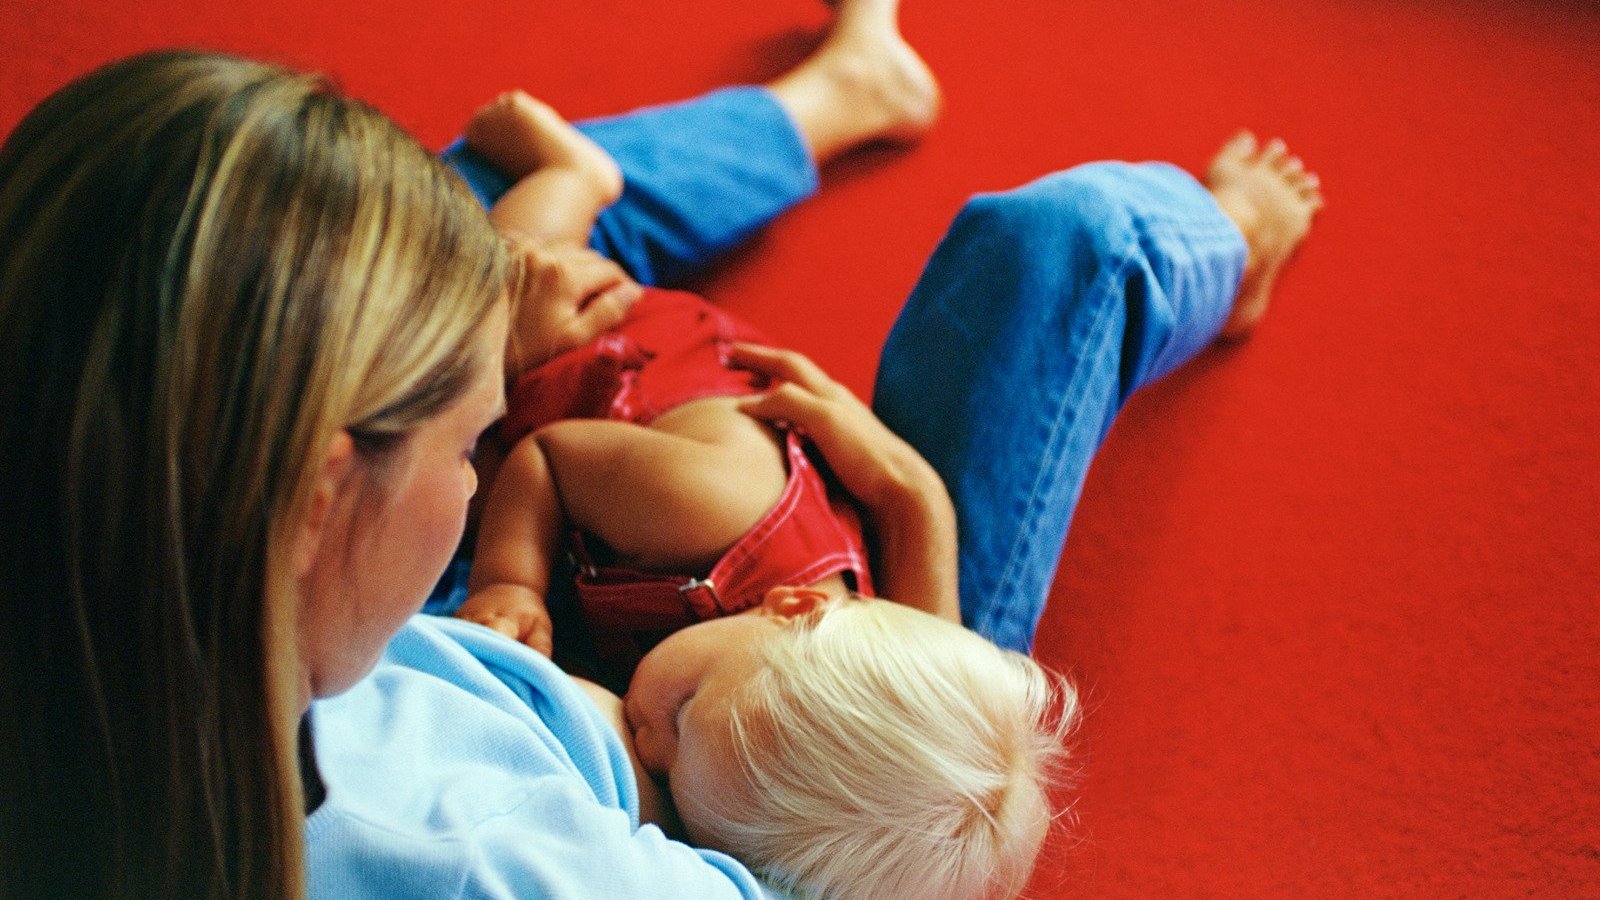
{"x": 856, "y": 748}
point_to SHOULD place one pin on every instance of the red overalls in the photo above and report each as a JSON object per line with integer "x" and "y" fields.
{"x": 672, "y": 348}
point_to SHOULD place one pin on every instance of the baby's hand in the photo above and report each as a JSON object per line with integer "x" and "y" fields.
{"x": 872, "y": 463}
{"x": 570, "y": 295}
{"x": 512, "y": 610}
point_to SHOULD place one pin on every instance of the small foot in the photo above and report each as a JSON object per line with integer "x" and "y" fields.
{"x": 1268, "y": 193}
{"x": 864, "y": 83}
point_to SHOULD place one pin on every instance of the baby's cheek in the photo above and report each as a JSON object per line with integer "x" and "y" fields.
{"x": 649, "y": 747}
{"x": 698, "y": 793}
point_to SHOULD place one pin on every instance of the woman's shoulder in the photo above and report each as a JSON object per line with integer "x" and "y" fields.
{"x": 351, "y": 856}
{"x": 452, "y": 693}
{"x": 466, "y": 761}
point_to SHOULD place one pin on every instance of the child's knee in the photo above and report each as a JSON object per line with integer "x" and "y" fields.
{"x": 561, "y": 436}
{"x": 1077, "y": 214}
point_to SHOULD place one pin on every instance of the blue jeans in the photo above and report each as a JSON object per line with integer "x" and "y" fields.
{"x": 1039, "y": 313}
{"x": 1041, "y": 310}
{"x": 698, "y": 178}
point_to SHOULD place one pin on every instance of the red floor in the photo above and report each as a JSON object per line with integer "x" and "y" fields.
{"x": 1331, "y": 595}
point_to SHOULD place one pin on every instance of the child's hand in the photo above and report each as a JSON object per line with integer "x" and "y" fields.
{"x": 870, "y": 461}
{"x": 568, "y": 296}
{"x": 913, "y": 525}
{"x": 514, "y": 611}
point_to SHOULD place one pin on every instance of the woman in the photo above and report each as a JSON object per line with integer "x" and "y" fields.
{"x": 249, "y": 335}
{"x": 248, "y": 332}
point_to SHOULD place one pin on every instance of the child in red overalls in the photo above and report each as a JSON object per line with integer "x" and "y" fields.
{"x": 643, "y": 463}
{"x": 726, "y": 543}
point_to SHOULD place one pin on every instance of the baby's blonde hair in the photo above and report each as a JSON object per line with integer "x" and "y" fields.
{"x": 890, "y": 754}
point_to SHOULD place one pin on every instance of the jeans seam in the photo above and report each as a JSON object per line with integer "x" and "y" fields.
{"x": 1032, "y": 502}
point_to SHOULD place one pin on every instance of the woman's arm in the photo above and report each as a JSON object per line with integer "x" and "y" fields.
{"x": 466, "y": 765}
{"x": 911, "y": 519}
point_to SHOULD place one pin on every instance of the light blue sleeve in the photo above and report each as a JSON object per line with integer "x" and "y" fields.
{"x": 467, "y": 765}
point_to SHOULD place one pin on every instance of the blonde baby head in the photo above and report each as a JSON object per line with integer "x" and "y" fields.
{"x": 861, "y": 748}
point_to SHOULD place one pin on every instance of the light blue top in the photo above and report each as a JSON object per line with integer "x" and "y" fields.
{"x": 467, "y": 765}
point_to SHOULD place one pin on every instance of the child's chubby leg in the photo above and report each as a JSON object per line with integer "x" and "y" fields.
{"x": 673, "y": 496}
{"x": 864, "y": 83}
{"x": 521, "y": 135}
{"x": 705, "y": 174}
{"x": 564, "y": 179}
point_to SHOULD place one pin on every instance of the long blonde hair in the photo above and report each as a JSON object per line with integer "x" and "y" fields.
{"x": 208, "y": 267}
{"x": 889, "y": 754}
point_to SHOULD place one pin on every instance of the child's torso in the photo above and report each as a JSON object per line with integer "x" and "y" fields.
{"x": 666, "y": 368}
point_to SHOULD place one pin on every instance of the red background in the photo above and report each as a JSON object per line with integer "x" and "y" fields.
{"x": 1331, "y": 595}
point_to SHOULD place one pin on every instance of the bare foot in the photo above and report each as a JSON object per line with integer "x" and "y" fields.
{"x": 864, "y": 83}
{"x": 1271, "y": 197}
{"x": 520, "y": 135}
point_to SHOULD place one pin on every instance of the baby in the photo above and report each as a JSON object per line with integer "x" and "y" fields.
{"x": 838, "y": 744}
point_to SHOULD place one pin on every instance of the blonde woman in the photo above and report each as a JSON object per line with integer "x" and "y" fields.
{"x": 249, "y": 334}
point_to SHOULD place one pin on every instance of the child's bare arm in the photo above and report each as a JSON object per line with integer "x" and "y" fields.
{"x": 911, "y": 518}
{"x": 658, "y": 499}
{"x": 518, "y": 537}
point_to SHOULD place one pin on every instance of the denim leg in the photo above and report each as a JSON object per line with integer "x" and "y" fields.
{"x": 699, "y": 177}
{"x": 1041, "y": 310}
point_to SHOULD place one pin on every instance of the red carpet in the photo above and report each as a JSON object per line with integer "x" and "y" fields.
{"x": 1332, "y": 594}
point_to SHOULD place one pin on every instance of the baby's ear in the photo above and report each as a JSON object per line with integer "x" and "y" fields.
{"x": 791, "y": 603}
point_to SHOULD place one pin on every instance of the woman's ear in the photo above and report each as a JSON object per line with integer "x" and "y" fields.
{"x": 331, "y": 480}
{"x": 789, "y": 603}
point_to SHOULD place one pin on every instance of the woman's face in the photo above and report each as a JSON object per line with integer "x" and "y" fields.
{"x": 391, "y": 529}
